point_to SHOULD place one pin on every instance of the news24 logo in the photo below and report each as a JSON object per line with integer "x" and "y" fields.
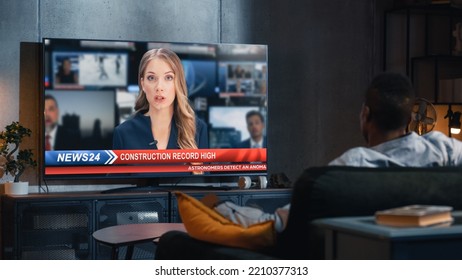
{"x": 59, "y": 158}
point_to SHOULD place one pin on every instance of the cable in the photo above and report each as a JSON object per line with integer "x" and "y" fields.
{"x": 45, "y": 190}
{"x": 177, "y": 182}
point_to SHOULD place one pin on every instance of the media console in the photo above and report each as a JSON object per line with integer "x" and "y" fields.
{"x": 60, "y": 225}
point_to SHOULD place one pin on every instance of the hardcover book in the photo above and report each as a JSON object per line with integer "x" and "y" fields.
{"x": 414, "y": 216}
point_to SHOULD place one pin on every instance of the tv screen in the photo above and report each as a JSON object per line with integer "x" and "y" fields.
{"x": 89, "y": 96}
{"x": 88, "y": 69}
{"x": 200, "y": 77}
{"x": 228, "y": 125}
{"x": 92, "y": 123}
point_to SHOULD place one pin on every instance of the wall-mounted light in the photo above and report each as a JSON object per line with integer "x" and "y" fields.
{"x": 454, "y": 121}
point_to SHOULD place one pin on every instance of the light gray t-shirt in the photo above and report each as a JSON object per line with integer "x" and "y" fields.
{"x": 429, "y": 150}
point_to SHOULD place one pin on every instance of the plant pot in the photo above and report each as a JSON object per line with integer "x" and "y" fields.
{"x": 16, "y": 188}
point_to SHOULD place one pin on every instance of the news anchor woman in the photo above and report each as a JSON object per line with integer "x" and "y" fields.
{"x": 164, "y": 118}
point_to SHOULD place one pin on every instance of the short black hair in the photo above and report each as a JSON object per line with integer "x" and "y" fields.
{"x": 390, "y": 98}
{"x": 51, "y": 97}
{"x": 254, "y": 113}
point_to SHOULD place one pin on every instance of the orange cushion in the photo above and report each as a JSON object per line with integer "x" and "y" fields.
{"x": 204, "y": 223}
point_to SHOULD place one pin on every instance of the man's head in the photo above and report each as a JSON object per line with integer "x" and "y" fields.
{"x": 67, "y": 66}
{"x": 51, "y": 113}
{"x": 387, "y": 106}
{"x": 255, "y": 124}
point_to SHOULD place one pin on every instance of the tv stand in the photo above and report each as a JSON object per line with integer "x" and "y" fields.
{"x": 157, "y": 188}
{"x": 198, "y": 188}
{"x": 145, "y": 186}
{"x": 134, "y": 189}
{"x": 57, "y": 226}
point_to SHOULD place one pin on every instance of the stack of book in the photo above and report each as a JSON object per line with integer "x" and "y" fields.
{"x": 414, "y": 216}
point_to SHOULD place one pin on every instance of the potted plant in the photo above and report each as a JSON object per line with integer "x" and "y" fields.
{"x": 14, "y": 161}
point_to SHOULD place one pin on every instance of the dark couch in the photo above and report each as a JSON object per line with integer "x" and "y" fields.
{"x": 322, "y": 192}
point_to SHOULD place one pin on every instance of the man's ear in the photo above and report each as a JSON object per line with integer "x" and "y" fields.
{"x": 408, "y": 123}
{"x": 365, "y": 114}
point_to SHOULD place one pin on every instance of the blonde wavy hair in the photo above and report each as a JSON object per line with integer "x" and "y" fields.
{"x": 183, "y": 113}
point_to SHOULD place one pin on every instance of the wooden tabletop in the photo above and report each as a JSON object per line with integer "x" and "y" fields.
{"x": 122, "y": 235}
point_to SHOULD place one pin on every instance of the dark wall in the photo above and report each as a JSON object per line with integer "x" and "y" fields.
{"x": 322, "y": 54}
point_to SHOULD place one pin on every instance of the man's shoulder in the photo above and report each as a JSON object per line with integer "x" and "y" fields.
{"x": 438, "y": 139}
{"x": 436, "y": 135}
{"x": 359, "y": 156}
{"x": 244, "y": 144}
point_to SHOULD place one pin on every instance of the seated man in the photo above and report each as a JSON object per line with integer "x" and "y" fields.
{"x": 384, "y": 118}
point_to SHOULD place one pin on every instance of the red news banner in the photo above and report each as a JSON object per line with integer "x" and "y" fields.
{"x": 154, "y": 161}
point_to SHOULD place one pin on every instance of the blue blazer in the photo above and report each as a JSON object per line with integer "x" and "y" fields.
{"x": 246, "y": 143}
{"x": 136, "y": 134}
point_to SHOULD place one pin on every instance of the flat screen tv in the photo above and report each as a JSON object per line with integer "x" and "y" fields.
{"x": 94, "y": 85}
